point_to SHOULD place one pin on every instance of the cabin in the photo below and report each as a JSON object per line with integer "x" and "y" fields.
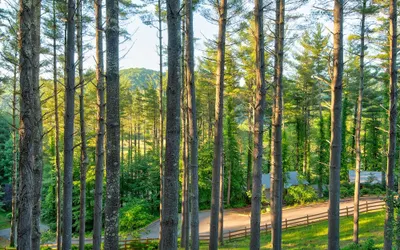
{"x": 367, "y": 177}
{"x": 291, "y": 178}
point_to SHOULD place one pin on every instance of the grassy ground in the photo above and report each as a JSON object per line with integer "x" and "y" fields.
{"x": 4, "y": 221}
{"x": 316, "y": 236}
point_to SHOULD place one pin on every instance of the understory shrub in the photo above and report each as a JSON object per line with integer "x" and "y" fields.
{"x": 87, "y": 247}
{"x": 369, "y": 244}
{"x": 135, "y": 215}
{"x": 300, "y": 194}
{"x": 136, "y": 245}
{"x": 264, "y": 200}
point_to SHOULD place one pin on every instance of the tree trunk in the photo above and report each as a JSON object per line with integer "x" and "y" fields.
{"x": 276, "y": 148}
{"x": 122, "y": 148}
{"x": 185, "y": 155}
{"x": 192, "y": 120}
{"x": 38, "y": 140}
{"x": 353, "y": 141}
{"x": 358, "y": 128}
{"x": 69, "y": 128}
{"x": 336, "y": 128}
{"x": 84, "y": 158}
{"x": 136, "y": 141}
{"x": 228, "y": 191}
{"x": 221, "y": 204}
{"x": 249, "y": 141}
{"x": 306, "y": 141}
{"x": 57, "y": 132}
{"x": 391, "y": 157}
{"x": 144, "y": 137}
{"x": 256, "y": 193}
{"x": 100, "y": 130}
{"x": 321, "y": 149}
{"x": 14, "y": 166}
{"x": 218, "y": 137}
{"x": 111, "y": 237}
{"x": 170, "y": 196}
{"x": 130, "y": 159}
{"x": 160, "y": 103}
{"x": 138, "y": 136}
{"x": 27, "y": 126}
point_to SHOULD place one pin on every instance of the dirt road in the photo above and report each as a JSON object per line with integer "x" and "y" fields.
{"x": 235, "y": 219}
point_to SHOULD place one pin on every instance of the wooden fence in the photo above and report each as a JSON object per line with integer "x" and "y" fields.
{"x": 367, "y": 206}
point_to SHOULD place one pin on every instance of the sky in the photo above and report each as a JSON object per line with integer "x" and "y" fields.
{"x": 143, "y": 46}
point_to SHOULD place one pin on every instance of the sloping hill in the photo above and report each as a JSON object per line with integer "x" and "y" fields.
{"x": 140, "y": 77}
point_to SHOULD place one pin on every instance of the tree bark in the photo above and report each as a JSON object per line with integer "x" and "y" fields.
{"x": 276, "y": 147}
{"x": 218, "y": 137}
{"x": 193, "y": 136}
{"x": 38, "y": 140}
{"x": 228, "y": 191}
{"x": 358, "y": 128}
{"x": 256, "y": 193}
{"x": 170, "y": 196}
{"x": 14, "y": 166}
{"x": 221, "y": 204}
{"x": 321, "y": 149}
{"x": 391, "y": 156}
{"x": 306, "y": 144}
{"x": 185, "y": 174}
{"x": 111, "y": 238}
{"x": 84, "y": 161}
{"x": 27, "y": 127}
{"x": 249, "y": 141}
{"x": 69, "y": 128}
{"x": 57, "y": 132}
{"x": 99, "y": 172}
{"x": 336, "y": 128}
{"x": 160, "y": 101}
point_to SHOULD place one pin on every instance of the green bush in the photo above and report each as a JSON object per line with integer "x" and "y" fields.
{"x": 136, "y": 245}
{"x": 48, "y": 236}
{"x": 369, "y": 244}
{"x": 378, "y": 191}
{"x": 87, "y": 247}
{"x": 135, "y": 215}
{"x": 43, "y": 248}
{"x": 346, "y": 190}
{"x": 365, "y": 191}
{"x": 300, "y": 194}
{"x": 264, "y": 200}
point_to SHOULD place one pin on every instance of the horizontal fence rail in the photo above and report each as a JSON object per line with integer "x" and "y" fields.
{"x": 367, "y": 206}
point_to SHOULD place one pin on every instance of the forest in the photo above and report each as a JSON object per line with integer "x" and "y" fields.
{"x": 95, "y": 153}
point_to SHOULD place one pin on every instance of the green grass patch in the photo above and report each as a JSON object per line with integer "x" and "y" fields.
{"x": 315, "y": 236}
{"x": 4, "y": 220}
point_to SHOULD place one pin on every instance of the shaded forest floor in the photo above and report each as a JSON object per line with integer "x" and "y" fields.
{"x": 315, "y": 236}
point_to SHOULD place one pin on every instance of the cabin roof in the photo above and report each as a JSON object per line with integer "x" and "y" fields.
{"x": 291, "y": 179}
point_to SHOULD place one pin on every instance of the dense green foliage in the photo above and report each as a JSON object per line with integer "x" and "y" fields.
{"x": 300, "y": 194}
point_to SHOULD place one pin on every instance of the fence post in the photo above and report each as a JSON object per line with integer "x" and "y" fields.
{"x": 266, "y": 227}
{"x": 308, "y": 222}
{"x": 245, "y": 232}
{"x": 229, "y": 234}
{"x": 286, "y": 222}
{"x": 125, "y": 244}
{"x": 347, "y": 211}
{"x": 366, "y": 204}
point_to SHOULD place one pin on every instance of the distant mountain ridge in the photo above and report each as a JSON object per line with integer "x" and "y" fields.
{"x": 140, "y": 77}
